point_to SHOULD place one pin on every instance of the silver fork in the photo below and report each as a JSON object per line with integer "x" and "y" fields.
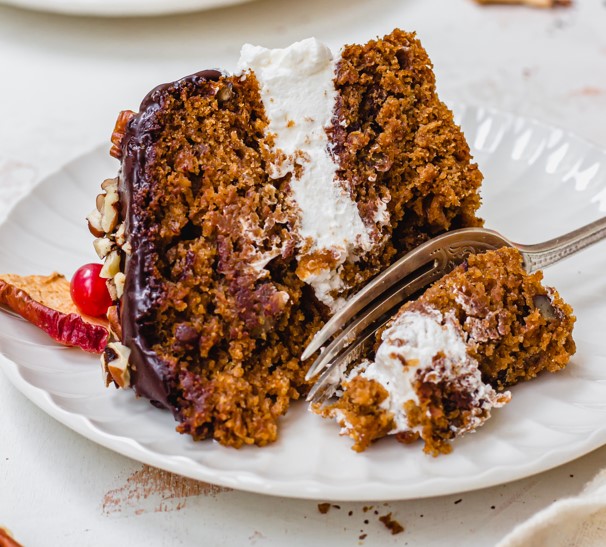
{"x": 373, "y": 306}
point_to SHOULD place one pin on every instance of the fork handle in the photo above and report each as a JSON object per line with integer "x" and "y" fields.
{"x": 543, "y": 254}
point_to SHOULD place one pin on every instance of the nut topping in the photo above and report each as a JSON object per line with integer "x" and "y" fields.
{"x": 114, "y": 361}
{"x": 120, "y": 235}
{"x": 119, "y": 132}
{"x": 108, "y": 184}
{"x": 102, "y": 246}
{"x": 109, "y": 216}
{"x": 111, "y": 266}
{"x": 94, "y": 223}
{"x": 224, "y": 94}
{"x": 111, "y": 289}
{"x": 119, "y": 280}
{"x": 111, "y": 236}
{"x": 114, "y": 322}
{"x": 99, "y": 202}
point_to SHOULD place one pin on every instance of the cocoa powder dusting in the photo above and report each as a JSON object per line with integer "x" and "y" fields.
{"x": 152, "y": 490}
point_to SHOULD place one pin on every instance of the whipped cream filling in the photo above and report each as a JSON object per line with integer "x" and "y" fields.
{"x": 408, "y": 349}
{"x": 298, "y": 93}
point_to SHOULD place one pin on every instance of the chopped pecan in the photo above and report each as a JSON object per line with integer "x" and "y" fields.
{"x": 119, "y": 132}
{"x": 114, "y": 321}
{"x": 114, "y": 361}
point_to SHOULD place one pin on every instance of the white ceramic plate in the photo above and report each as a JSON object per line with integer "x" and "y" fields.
{"x": 121, "y": 8}
{"x": 540, "y": 181}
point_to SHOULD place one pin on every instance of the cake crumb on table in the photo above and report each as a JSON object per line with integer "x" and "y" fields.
{"x": 323, "y": 508}
{"x": 391, "y": 524}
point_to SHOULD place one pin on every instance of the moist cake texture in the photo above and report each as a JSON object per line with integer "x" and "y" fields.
{"x": 443, "y": 363}
{"x": 249, "y": 206}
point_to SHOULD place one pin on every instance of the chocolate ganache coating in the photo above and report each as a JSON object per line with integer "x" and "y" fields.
{"x": 149, "y": 375}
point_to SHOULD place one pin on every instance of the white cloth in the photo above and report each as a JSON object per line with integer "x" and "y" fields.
{"x": 572, "y": 522}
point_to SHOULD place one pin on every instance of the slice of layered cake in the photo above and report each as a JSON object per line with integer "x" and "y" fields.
{"x": 249, "y": 206}
{"x": 444, "y": 361}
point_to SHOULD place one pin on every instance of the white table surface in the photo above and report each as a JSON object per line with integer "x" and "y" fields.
{"x": 62, "y": 82}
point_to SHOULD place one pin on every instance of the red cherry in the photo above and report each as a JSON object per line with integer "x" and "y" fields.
{"x": 89, "y": 291}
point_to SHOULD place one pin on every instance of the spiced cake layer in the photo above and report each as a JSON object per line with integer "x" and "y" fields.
{"x": 249, "y": 206}
{"x": 443, "y": 363}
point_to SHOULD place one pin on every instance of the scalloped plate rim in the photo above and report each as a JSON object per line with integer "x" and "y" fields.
{"x": 121, "y": 8}
{"x": 303, "y": 488}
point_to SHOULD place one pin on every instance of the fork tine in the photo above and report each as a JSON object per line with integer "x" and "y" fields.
{"x": 381, "y": 283}
{"x": 326, "y": 384}
{"x": 323, "y": 389}
{"x": 399, "y": 282}
{"x": 482, "y": 238}
{"x": 334, "y": 352}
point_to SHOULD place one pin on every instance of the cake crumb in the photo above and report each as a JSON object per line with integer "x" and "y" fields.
{"x": 392, "y": 525}
{"x": 323, "y": 508}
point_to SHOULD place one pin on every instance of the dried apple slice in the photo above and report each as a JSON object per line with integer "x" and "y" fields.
{"x": 45, "y": 301}
{"x": 6, "y": 539}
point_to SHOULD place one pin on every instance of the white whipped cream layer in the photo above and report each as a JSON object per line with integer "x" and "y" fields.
{"x": 298, "y": 93}
{"x": 408, "y": 349}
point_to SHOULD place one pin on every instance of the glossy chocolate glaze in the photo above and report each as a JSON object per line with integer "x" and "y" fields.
{"x": 149, "y": 374}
